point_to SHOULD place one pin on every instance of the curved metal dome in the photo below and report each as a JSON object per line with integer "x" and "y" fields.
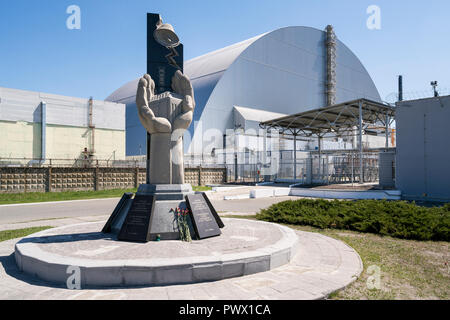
{"x": 281, "y": 71}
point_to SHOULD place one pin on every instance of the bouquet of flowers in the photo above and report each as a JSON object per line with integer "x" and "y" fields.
{"x": 183, "y": 225}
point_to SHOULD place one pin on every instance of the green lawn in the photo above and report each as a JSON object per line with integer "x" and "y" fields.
{"x": 12, "y": 198}
{"x": 201, "y": 188}
{"x": 410, "y": 269}
{"x": 391, "y": 236}
{"x": 19, "y": 233}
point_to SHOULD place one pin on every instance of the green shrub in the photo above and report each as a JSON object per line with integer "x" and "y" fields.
{"x": 398, "y": 219}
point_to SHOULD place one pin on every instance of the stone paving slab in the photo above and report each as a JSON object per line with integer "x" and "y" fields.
{"x": 245, "y": 247}
{"x": 321, "y": 266}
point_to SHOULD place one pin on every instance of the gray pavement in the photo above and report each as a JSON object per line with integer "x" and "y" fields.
{"x": 51, "y": 210}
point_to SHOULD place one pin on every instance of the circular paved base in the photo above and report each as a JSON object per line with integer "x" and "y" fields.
{"x": 245, "y": 247}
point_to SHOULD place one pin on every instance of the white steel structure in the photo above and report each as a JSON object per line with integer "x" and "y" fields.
{"x": 284, "y": 71}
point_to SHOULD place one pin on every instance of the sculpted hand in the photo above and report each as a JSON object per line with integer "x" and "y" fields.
{"x": 182, "y": 85}
{"x": 145, "y": 91}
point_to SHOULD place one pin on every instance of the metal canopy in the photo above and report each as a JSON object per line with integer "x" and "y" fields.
{"x": 340, "y": 119}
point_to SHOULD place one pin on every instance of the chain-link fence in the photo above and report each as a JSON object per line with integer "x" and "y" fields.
{"x": 329, "y": 168}
{"x": 345, "y": 168}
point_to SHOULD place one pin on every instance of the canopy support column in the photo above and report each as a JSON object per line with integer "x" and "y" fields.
{"x": 360, "y": 133}
{"x": 295, "y": 157}
{"x": 387, "y": 130}
{"x": 319, "y": 140}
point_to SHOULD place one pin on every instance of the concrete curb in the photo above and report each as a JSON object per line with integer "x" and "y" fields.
{"x": 347, "y": 194}
{"x": 327, "y": 194}
{"x": 220, "y": 189}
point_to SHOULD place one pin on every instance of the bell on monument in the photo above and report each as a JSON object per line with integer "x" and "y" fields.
{"x": 166, "y": 36}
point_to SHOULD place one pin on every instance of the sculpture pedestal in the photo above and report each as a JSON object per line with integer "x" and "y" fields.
{"x": 163, "y": 219}
{"x": 150, "y": 214}
{"x": 166, "y": 162}
{"x": 166, "y": 149}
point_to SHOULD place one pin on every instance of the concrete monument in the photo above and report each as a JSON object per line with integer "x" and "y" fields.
{"x": 153, "y": 212}
{"x": 166, "y": 117}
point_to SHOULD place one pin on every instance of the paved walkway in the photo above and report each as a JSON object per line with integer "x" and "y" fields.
{"x": 322, "y": 265}
{"x": 240, "y": 190}
{"x": 247, "y": 206}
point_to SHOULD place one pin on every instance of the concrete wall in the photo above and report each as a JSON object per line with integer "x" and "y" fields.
{"x": 423, "y": 148}
{"x": 386, "y": 172}
{"x": 20, "y": 139}
{"x": 21, "y": 105}
{"x": 17, "y": 180}
{"x": 23, "y": 140}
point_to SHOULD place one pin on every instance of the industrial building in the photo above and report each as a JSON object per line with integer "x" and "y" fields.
{"x": 423, "y": 149}
{"x": 278, "y": 73}
{"x": 298, "y": 91}
{"x": 41, "y": 128}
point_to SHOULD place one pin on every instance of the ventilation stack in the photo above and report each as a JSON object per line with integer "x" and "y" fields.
{"x": 331, "y": 66}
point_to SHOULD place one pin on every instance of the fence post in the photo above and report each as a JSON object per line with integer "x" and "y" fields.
{"x": 353, "y": 174}
{"x": 225, "y": 175}
{"x": 96, "y": 174}
{"x": 136, "y": 177}
{"x": 200, "y": 175}
{"x": 49, "y": 179}
{"x": 25, "y": 179}
{"x": 309, "y": 170}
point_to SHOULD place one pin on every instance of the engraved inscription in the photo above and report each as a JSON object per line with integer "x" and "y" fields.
{"x": 203, "y": 220}
{"x": 136, "y": 225}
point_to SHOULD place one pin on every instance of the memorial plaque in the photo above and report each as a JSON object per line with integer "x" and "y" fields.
{"x": 137, "y": 223}
{"x": 213, "y": 211}
{"x": 203, "y": 220}
{"x": 117, "y": 210}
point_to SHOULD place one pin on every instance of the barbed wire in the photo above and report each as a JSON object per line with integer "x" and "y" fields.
{"x": 392, "y": 98}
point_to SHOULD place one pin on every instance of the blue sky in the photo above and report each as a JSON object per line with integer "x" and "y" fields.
{"x": 39, "y": 53}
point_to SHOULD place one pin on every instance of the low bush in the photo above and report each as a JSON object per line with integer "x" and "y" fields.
{"x": 398, "y": 219}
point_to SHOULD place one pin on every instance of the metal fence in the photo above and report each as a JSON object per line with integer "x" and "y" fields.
{"x": 250, "y": 167}
{"x": 345, "y": 168}
{"x": 331, "y": 168}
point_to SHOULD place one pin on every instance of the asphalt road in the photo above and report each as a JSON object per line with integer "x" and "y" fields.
{"x": 50, "y": 210}
{"x": 80, "y": 208}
